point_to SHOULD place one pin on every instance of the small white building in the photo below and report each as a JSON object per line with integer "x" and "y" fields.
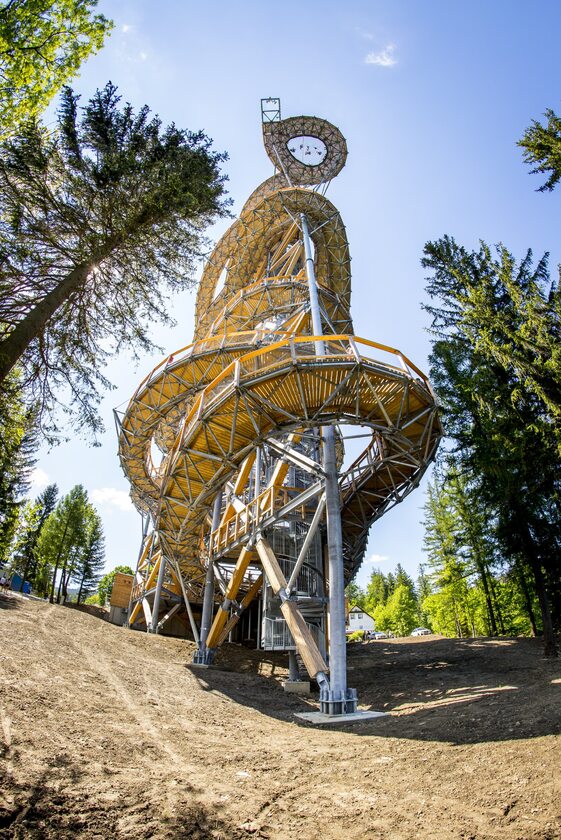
{"x": 358, "y": 619}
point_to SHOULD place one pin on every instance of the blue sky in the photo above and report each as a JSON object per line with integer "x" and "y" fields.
{"x": 431, "y": 97}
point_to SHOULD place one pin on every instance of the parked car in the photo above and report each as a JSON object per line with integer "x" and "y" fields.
{"x": 421, "y": 631}
{"x": 378, "y": 635}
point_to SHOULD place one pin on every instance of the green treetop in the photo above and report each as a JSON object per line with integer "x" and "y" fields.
{"x": 42, "y": 45}
{"x": 542, "y": 149}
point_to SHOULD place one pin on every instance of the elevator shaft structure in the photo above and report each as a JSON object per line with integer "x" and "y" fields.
{"x": 249, "y": 501}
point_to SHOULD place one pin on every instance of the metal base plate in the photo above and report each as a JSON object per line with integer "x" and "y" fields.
{"x": 321, "y": 719}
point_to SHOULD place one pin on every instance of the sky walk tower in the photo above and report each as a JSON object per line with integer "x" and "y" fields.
{"x": 252, "y": 523}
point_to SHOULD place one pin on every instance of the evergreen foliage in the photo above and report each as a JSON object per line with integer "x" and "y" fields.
{"x": 495, "y": 323}
{"x": 100, "y": 221}
{"x": 542, "y": 149}
{"x": 90, "y": 564}
{"x": 355, "y": 596}
{"x": 376, "y": 591}
{"x": 70, "y": 546}
{"x": 18, "y": 442}
{"x": 35, "y": 514}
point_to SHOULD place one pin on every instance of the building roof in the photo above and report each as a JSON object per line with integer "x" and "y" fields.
{"x": 356, "y": 609}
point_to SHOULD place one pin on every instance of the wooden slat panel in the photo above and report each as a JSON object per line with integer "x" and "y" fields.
{"x": 121, "y": 592}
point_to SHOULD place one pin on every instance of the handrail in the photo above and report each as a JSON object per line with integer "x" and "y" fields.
{"x": 231, "y": 340}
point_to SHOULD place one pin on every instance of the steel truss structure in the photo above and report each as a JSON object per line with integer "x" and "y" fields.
{"x": 249, "y": 503}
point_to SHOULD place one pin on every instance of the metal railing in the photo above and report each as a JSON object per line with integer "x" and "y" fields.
{"x": 277, "y": 636}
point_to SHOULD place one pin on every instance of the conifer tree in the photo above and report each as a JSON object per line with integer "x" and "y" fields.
{"x": 34, "y": 517}
{"x": 100, "y": 221}
{"x": 542, "y": 149}
{"x": 18, "y": 443}
{"x": 376, "y": 591}
{"x": 355, "y": 595}
{"x": 87, "y": 573}
{"x": 63, "y": 539}
{"x": 505, "y": 430}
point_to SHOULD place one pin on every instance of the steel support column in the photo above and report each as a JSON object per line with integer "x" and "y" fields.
{"x": 293, "y": 669}
{"x": 202, "y": 655}
{"x": 334, "y": 698}
{"x": 158, "y": 594}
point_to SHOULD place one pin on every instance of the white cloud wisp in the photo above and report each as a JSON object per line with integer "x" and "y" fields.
{"x": 376, "y": 559}
{"x": 384, "y": 58}
{"x": 113, "y": 497}
{"x": 39, "y": 479}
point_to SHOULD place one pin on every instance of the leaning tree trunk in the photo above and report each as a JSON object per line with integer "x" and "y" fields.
{"x": 33, "y": 324}
{"x": 19, "y": 339}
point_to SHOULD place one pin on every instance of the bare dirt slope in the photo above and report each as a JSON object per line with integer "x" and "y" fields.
{"x": 107, "y": 734}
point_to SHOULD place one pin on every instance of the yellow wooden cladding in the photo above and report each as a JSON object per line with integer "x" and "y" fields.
{"x": 121, "y": 592}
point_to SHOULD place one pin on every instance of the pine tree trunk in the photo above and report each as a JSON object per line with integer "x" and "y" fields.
{"x": 527, "y": 600}
{"x": 549, "y": 644}
{"x": 457, "y": 620}
{"x": 65, "y": 585}
{"x": 24, "y": 575}
{"x": 60, "y": 582}
{"x": 490, "y": 611}
{"x": 52, "y": 597}
{"x": 498, "y": 611}
{"x": 19, "y": 339}
{"x": 80, "y": 589}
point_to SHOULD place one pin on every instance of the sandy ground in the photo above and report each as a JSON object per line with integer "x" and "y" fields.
{"x": 108, "y": 733}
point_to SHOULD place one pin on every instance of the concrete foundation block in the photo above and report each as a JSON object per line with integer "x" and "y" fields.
{"x": 321, "y": 719}
{"x": 293, "y": 687}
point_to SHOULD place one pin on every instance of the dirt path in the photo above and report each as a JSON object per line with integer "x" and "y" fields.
{"x": 108, "y": 734}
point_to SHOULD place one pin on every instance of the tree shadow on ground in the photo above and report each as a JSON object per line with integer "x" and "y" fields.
{"x": 10, "y": 602}
{"x": 448, "y": 690}
{"x": 56, "y": 805}
{"x": 28, "y": 803}
{"x": 261, "y": 692}
{"x": 249, "y": 660}
{"x": 89, "y": 609}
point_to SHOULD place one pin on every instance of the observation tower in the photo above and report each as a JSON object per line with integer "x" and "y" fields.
{"x": 252, "y": 524}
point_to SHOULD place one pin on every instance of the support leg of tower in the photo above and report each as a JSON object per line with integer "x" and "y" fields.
{"x": 157, "y": 595}
{"x": 294, "y": 684}
{"x": 335, "y": 697}
{"x": 204, "y": 655}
